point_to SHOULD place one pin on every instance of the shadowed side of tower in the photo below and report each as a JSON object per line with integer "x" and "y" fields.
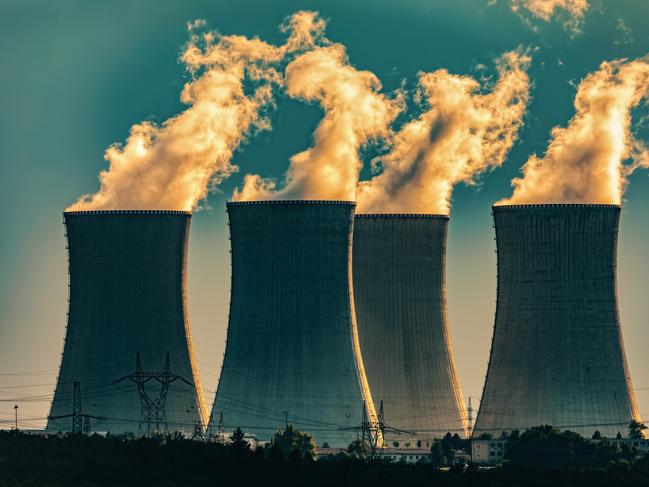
{"x": 400, "y": 299}
{"x": 557, "y": 355}
{"x": 127, "y": 297}
{"x": 292, "y": 345}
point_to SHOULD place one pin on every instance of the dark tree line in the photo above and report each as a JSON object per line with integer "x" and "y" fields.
{"x": 89, "y": 461}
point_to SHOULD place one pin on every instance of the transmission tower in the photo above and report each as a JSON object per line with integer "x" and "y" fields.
{"x": 381, "y": 419}
{"x": 209, "y": 431}
{"x": 80, "y": 421}
{"x": 214, "y": 434}
{"x": 197, "y": 434}
{"x": 371, "y": 432}
{"x": 470, "y": 411}
{"x": 153, "y": 414}
{"x": 77, "y": 420}
{"x": 219, "y": 431}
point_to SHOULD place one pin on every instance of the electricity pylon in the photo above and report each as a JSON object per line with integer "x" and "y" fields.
{"x": 80, "y": 421}
{"x": 153, "y": 414}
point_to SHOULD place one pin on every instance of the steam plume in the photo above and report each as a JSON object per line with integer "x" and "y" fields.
{"x": 463, "y": 133}
{"x": 354, "y": 113}
{"x": 588, "y": 161}
{"x": 546, "y": 9}
{"x": 173, "y": 165}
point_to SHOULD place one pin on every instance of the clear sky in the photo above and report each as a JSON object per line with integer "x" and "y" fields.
{"x": 75, "y": 75}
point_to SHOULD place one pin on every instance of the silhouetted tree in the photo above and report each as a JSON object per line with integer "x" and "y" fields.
{"x": 96, "y": 461}
{"x": 437, "y": 456}
{"x": 237, "y": 440}
{"x": 636, "y": 430}
{"x": 357, "y": 450}
{"x": 292, "y": 443}
{"x": 448, "y": 449}
{"x": 545, "y": 446}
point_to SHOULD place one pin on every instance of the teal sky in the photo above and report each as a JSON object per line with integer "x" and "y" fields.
{"x": 75, "y": 75}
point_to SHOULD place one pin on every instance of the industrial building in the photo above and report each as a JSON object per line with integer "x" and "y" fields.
{"x": 557, "y": 355}
{"x": 400, "y": 299}
{"x": 492, "y": 451}
{"x": 292, "y": 353}
{"x": 128, "y": 363}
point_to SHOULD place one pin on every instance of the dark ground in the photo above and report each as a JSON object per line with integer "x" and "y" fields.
{"x": 96, "y": 461}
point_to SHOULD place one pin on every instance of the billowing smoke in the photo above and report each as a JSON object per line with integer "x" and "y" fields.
{"x": 588, "y": 161}
{"x": 546, "y": 9}
{"x": 173, "y": 165}
{"x": 355, "y": 113}
{"x": 463, "y": 132}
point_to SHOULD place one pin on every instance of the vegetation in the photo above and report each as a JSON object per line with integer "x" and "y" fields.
{"x": 442, "y": 453}
{"x": 545, "y": 446}
{"x": 96, "y": 461}
{"x": 292, "y": 444}
{"x": 636, "y": 430}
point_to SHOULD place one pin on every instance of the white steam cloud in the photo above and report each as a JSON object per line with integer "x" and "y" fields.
{"x": 355, "y": 113}
{"x": 588, "y": 161}
{"x": 173, "y": 165}
{"x": 462, "y": 133}
{"x": 546, "y": 9}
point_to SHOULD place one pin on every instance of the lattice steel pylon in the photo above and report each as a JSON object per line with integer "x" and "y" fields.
{"x": 197, "y": 434}
{"x": 214, "y": 434}
{"x": 220, "y": 438}
{"x": 77, "y": 420}
{"x": 153, "y": 414}
{"x": 209, "y": 431}
{"x": 80, "y": 421}
{"x": 470, "y": 412}
{"x": 372, "y": 432}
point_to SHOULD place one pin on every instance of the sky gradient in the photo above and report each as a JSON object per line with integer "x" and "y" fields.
{"x": 78, "y": 75}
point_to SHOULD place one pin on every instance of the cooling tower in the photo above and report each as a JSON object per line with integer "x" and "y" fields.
{"x": 557, "y": 355}
{"x": 400, "y": 300}
{"x": 292, "y": 350}
{"x": 128, "y": 298}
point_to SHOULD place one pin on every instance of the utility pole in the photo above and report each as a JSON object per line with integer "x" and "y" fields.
{"x": 153, "y": 413}
{"x": 286, "y": 418}
{"x": 470, "y": 411}
{"x": 16, "y": 414}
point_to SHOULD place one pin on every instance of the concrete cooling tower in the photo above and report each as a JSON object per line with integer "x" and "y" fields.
{"x": 292, "y": 350}
{"x": 128, "y": 346}
{"x": 557, "y": 355}
{"x": 400, "y": 300}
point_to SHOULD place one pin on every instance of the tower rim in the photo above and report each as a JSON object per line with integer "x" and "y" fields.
{"x": 432, "y": 216}
{"x": 290, "y": 202}
{"x": 126, "y": 212}
{"x": 497, "y": 207}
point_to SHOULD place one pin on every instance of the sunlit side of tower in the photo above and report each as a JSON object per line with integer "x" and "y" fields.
{"x": 557, "y": 354}
{"x": 400, "y": 299}
{"x": 292, "y": 347}
{"x": 128, "y": 297}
